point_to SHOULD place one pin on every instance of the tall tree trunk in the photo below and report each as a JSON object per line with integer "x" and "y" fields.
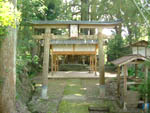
{"x": 84, "y": 9}
{"x": 8, "y": 71}
{"x": 93, "y": 14}
{"x": 84, "y": 13}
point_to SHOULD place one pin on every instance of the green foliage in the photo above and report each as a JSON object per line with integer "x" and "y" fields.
{"x": 53, "y": 9}
{"x": 8, "y": 16}
{"x": 116, "y": 48}
{"x": 25, "y": 59}
{"x": 31, "y": 10}
{"x": 131, "y": 71}
{"x": 143, "y": 89}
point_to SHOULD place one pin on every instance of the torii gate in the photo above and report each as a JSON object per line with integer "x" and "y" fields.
{"x": 74, "y": 27}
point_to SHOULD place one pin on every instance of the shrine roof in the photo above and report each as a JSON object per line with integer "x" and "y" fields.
{"x": 69, "y": 22}
{"x": 128, "y": 59}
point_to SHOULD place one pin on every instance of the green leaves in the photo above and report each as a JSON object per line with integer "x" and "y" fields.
{"x": 8, "y": 16}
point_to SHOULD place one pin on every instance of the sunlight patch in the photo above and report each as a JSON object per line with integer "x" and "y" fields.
{"x": 77, "y": 94}
{"x": 72, "y": 84}
{"x": 97, "y": 84}
{"x": 83, "y": 88}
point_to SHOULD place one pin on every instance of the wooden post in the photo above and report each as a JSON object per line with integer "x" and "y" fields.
{"x": 146, "y": 83}
{"x": 52, "y": 62}
{"x": 90, "y": 64}
{"x": 55, "y": 62}
{"x": 125, "y": 86}
{"x": 101, "y": 63}
{"x": 95, "y": 65}
{"x": 118, "y": 81}
{"x": 46, "y": 63}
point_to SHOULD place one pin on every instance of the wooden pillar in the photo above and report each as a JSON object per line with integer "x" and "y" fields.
{"x": 90, "y": 64}
{"x": 125, "y": 73}
{"x": 146, "y": 84}
{"x": 52, "y": 62}
{"x": 101, "y": 63}
{"x": 57, "y": 63}
{"x": 46, "y": 63}
{"x": 95, "y": 65}
{"x": 118, "y": 81}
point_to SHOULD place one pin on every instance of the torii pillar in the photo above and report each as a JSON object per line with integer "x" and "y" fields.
{"x": 46, "y": 37}
{"x": 101, "y": 63}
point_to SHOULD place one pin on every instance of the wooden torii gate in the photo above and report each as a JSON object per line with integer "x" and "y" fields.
{"x": 74, "y": 27}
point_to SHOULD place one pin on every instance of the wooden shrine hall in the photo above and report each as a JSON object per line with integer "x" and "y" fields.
{"x": 82, "y": 38}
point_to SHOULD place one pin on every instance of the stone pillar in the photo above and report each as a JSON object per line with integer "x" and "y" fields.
{"x": 101, "y": 63}
{"x": 46, "y": 63}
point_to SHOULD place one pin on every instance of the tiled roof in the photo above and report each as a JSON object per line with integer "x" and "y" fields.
{"x": 46, "y": 22}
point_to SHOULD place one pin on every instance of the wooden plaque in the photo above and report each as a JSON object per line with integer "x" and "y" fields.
{"x": 73, "y": 31}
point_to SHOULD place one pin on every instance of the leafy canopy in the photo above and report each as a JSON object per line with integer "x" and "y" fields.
{"x": 8, "y": 16}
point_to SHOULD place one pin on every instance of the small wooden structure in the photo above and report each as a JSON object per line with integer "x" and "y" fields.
{"x": 123, "y": 63}
{"x": 72, "y": 41}
{"x": 141, "y": 47}
{"x": 74, "y": 47}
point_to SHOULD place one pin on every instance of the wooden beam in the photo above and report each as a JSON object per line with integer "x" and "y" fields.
{"x": 111, "y": 26}
{"x": 96, "y": 26}
{"x": 74, "y": 53}
{"x": 101, "y": 58}
{"x": 64, "y": 37}
{"x": 51, "y": 26}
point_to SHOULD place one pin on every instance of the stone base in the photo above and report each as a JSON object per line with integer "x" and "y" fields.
{"x": 102, "y": 91}
{"x": 44, "y": 92}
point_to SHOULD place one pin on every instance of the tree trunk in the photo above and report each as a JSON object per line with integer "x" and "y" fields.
{"x": 8, "y": 71}
{"x": 84, "y": 13}
{"x": 84, "y": 9}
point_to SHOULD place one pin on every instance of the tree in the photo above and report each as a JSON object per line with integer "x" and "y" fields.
{"x": 8, "y": 64}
